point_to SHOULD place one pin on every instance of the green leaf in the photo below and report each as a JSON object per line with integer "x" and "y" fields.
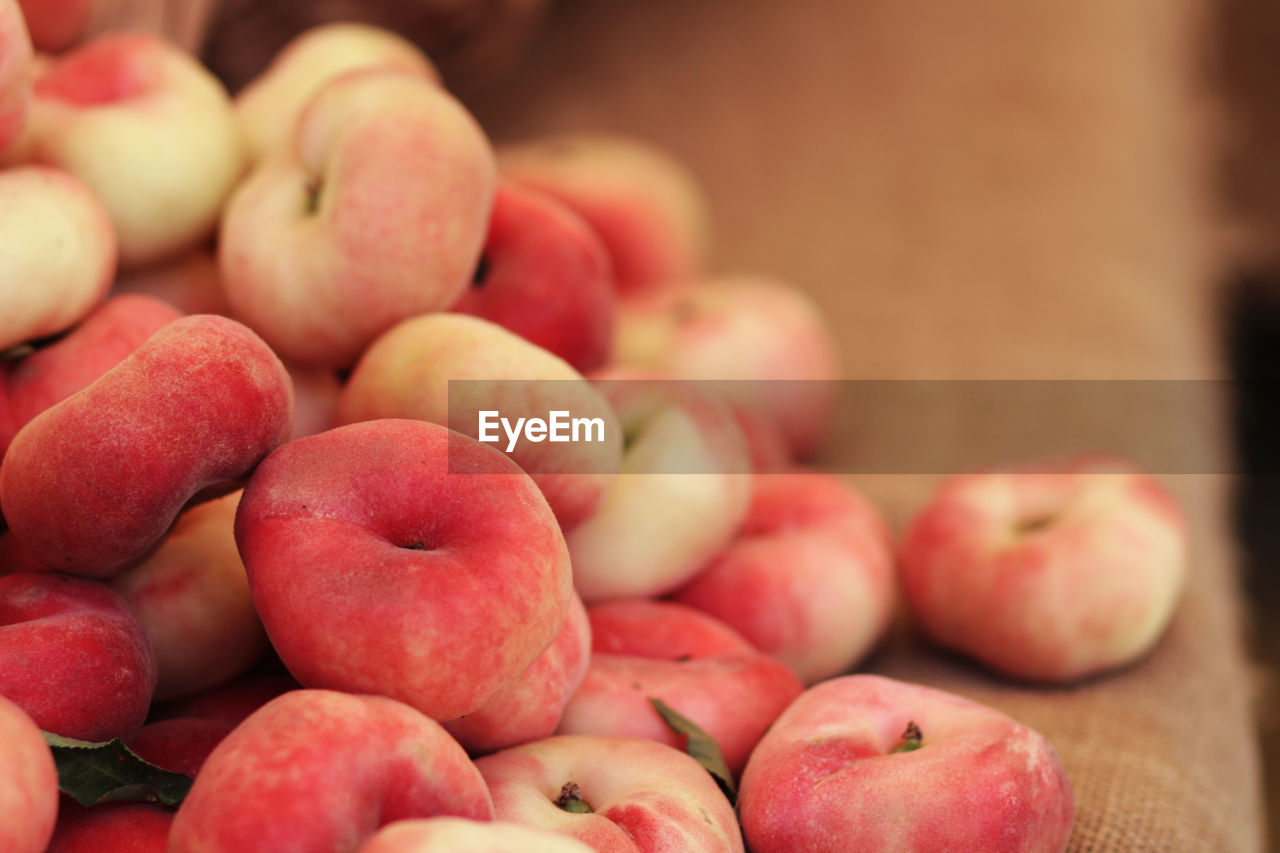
{"x": 92, "y": 773}
{"x": 701, "y": 747}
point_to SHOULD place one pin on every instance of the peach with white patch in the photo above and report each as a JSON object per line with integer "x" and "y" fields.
{"x": 374, "y": 212}
{"x": 268, "y": 108}
{"x": 57, "y": 253}
{"x": 618, "y": 795}
{"x": 1051, "y": 573}
{"x": 768, "y": 339}
{"x": 148, "y": 129}
{"x": 644, "y": 204}
{"x": 868, "y": 763}
{"x": 809, "y": 578}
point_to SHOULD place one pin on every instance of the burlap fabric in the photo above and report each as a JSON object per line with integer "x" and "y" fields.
{"x": 991, "y": 189}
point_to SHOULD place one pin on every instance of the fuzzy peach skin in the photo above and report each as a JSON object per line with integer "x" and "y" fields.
{"x": 457, "y": 835}
{"x": 1048, "y": 574}
{"x": 529, "y": 707}
{"x": 192, "y": 596}
{"x": 407, "y": 371}
{"x": 329, "y": 523}
{"x": 678, "y": 498}
{"x": 15, "y": 72}
{"x": 741, "y": 328}
{"x": 318, "y": 770}
{"x": 57, "y": 253}
{"x": 73, "y": 656}
{"x": 268, "y": 107}
{"x": 191, "y": 283}
{"x": 93, "y": 483}
{"x": 374, "y": 212}
{"x": 39, "y": 381}
{"x": 629, "y": 795}
{"x": 809, "y": 578}
{"x": 148, "y": 129}
{"x": 28, "y": 783}
{"x": 181, "y": 744}
{"x": 646, "y": 206}
{"x": 545, "y": 275}
{"x": 826, "y": 778}
{"x": 657, "y": 650}
{"x": 111, "y": 828}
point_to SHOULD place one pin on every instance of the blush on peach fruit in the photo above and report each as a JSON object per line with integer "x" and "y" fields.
{"x": 144, "y": 125}
{"x": 809, "y": 578}
{"x": 868, "y": 763}
{"x": 374, "y": 212}
{"x": 57, "y": 253}
{"x": 545, "y": 276}
{"x": 1050, "y": 574}
{"x": 73, "y": 656}
{"x": 15, "y": 72}
{"x": 28, "y": 781}
{"x": 529, "y": 707}
{"x": 330, "y": 523}
{"x": 93, "y": 483}
{"x": 767, "y": 339}
{"x": 458, "y": 835}
{"x": 618, "y": 795}
{"x": 111, "y": 828}
{"x": 680, "y": 494}
{"x": 646, "y": 206}
{"x": 46, "y": 377}
{"x": 268, "y": 108}
{"x": 181, "y": 744}
{"x": 192, "y": 596}
{"x": 407, "y": 373}
{"x": 660, "y": 650}
{"x": 318, "y": 770}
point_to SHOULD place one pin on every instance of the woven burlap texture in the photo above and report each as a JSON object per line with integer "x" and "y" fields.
{"x": 993, "y": 189}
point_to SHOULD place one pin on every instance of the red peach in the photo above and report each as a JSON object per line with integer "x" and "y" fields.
{"x": 192, "y": 596}
{"x": 53, "y": 373}
{"x": 529, "y": 707}
{"x": 545, "y": 276}
{"x": 668, "y": 651}
{"x": 111, "y": 828}
{"x": 809, "y": 578}
{"x": 831, "y": 776}
{"x": 73, "y": 656}
{"x": 329, "y": 523}
{"x": 768, "y": 339}
{"x": 645, "y": 206}
{"x": 93, "y": 483}
{"x": 1049, "y": 574}
{"x": 407, "y": 373}
{"x": 318, "y": 770}
{"x": 181, "y": 744}
{"x": 231, "y": 702}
